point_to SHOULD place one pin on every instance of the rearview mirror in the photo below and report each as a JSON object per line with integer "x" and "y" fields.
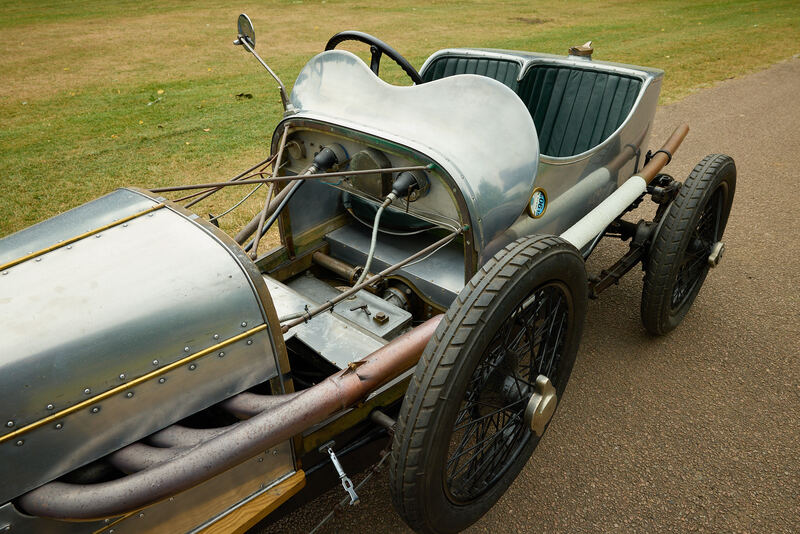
{"x": 246, "y": 31}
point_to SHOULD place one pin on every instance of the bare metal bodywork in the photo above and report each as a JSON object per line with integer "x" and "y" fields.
{"x": 106, "y": 339}
{"x": 336, "y": 87}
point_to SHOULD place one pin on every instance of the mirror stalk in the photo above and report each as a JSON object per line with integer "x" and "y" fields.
{"x": 287, "y": 105}
{"x": 247, "y": 39}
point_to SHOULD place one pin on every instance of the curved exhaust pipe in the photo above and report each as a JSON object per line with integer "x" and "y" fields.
{"x": 194, "y": 465}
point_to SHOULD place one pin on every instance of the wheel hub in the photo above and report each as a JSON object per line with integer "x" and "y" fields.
{"x": 717, "y": 250}
{"x": 542, "y": 405}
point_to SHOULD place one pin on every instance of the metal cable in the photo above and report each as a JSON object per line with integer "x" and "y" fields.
{"x": 389, "y": 232}
{"x": 375, "y": 469}
{"x": 389, "y": 199}
{"x": 227, "y": 211}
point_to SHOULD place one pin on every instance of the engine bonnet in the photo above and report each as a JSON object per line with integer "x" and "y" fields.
{"x": 475, "y": 127}
{"x": 131, "y": 316}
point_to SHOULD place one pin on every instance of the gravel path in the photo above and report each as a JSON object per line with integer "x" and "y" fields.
{"x": 698, "y": 430}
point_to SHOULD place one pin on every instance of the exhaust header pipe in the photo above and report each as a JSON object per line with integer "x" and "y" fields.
{"x": 77, "y": 502}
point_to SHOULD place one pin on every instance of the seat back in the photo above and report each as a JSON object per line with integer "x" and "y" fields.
{"x": 576, "y": 109}
{"x": 502, "y": 70}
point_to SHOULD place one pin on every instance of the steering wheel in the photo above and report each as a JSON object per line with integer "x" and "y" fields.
{"x": 377, "y": 48}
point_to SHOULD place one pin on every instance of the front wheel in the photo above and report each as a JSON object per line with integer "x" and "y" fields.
{"x": 688, "y": 243}
{"x": 487, "y": 384}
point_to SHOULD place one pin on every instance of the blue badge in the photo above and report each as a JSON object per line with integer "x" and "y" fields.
{"x": 538, "y": 203}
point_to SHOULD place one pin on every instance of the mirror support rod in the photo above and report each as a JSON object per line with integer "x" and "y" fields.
{"x": 287, "y": 105}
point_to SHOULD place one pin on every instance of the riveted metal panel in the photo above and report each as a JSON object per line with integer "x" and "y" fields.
{"x": 100, "y": 319}
{"x": 104, "y": 210}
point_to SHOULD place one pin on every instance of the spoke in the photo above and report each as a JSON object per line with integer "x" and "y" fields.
{"x": 555, "y": 354}
{"x": 717, "y": 214}
{"x": 549, "y": 334}
{"x": 478, "y": 444}
{"x": 527, "y": 383}
{"x": 497, "y": 459}
{"x": 489, "y": 414}
{"x": 464, "y": 439}
{"x": 489, "y": 428}
{"x": 489, "y": 442}
{"x": 482, "y": 403}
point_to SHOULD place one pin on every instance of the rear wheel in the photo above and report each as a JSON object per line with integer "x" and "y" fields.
{"x": 688, "y": 243}
{"x": 487, "y": 384}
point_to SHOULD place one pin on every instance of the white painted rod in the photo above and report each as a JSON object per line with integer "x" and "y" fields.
{"x": 585, "y": 230}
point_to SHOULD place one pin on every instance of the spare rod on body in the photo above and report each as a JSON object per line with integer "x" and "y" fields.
{"x": 275, "y": 167}
{"x": 288, "y": 178}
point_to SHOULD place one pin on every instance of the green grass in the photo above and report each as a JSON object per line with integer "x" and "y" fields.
{"x": 78, "y": 76}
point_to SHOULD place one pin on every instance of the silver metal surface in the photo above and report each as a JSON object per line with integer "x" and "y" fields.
{"x": 19, "y": 523}
{"x": 347, "y": 484}
{"x": 337, "y": 340}
{"x": 314, "y": 204}
{"x": 340, "y": 89}
{"x": 318, "y": 291}
{"x": 439, "y": 278}
{"x": 76, "y": 321}
{"x": 585, "y": 230}
{"x": 716, "y": 254}
{"x": 247, "y": 39}
{"x": 476, "y": 128}
{"x": 245, "y": 27}
{"x": 436, "y": 205}
{"x": 243, "y": 440}
{"x": 100, "y": 212}
{"x": 207, "y": 502}
{"x": 541, "y": 406}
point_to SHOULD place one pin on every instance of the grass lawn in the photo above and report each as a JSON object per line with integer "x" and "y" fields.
{"x": 99, "y": 94}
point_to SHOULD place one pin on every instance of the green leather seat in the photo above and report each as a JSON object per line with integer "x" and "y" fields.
{"x": 574, "y": 109}
{"x": 503, "y": 71}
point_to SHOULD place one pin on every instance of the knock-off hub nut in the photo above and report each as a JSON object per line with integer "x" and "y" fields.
{"x": 542, "y": 405}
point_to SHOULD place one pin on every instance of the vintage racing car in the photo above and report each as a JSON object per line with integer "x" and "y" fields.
{"x": 424, "y": 308}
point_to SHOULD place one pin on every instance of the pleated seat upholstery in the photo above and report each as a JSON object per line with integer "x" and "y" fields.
{"x": 503, "y": 71}
{"x": 574, "y": 109}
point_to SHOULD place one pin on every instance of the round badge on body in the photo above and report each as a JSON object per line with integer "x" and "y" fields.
{"x": 538, "y": 203}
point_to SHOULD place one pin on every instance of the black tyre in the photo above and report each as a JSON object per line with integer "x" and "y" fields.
{"x": 462, "y": 434}
{"x": 677, "y": 263}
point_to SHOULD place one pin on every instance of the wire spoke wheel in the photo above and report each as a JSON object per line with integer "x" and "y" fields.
{"x": 490, "y": 428}
{"x": 464, "y": 432}
{"x": 678, "y": 261}
{"x": 694, "y": 264}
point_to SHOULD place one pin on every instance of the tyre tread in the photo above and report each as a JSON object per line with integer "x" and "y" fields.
{"x": 667, "y": 245}
{"x": 426, "y": 386}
